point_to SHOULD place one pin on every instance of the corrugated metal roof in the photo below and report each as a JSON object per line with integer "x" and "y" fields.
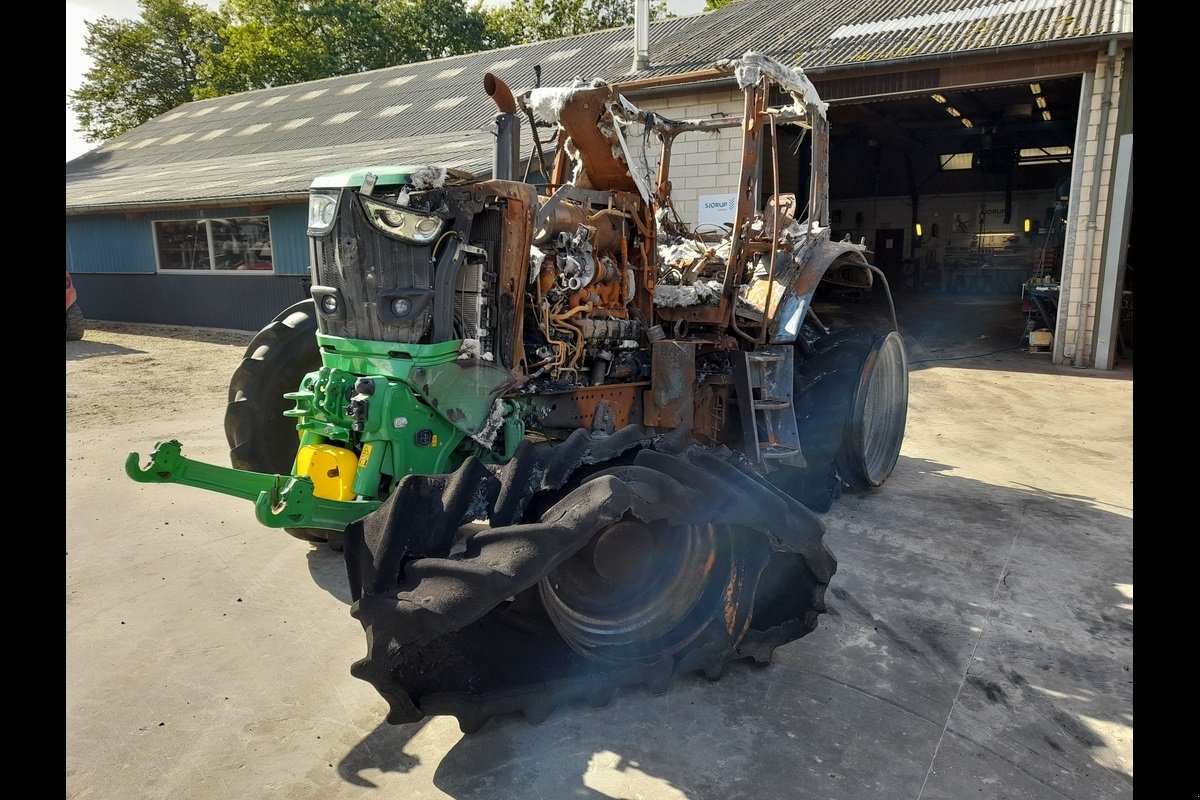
{"x": 251, "y": 176}
{"x": 823, "y": 34}
{"x": 411, "y": 112}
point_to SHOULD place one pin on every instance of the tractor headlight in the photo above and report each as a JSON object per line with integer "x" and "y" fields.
{"x": 402, "y": 223}
{"x": 322, "y": 209}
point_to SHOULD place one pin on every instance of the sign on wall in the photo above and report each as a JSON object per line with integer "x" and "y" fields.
{"x": 716, "y": 209}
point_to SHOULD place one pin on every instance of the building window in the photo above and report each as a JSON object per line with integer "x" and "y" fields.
{"x": 1029, "y": 156}
{"x": 205, "y": 245}
{"x": 950, "y": 161}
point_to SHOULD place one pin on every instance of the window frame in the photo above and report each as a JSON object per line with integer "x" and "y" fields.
{"x": 211, "y": 269}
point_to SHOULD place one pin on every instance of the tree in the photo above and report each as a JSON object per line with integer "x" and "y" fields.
{"x": 713, "y": 5}
{"x": 429, "y": 29}
{"x": 142, "y": 68}
{"x": 524, "y": 21}
{"x": 280, "y": 42}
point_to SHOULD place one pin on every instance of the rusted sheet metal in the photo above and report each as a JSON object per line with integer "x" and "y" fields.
{"x": 519, "y": 207}
{"x": 701, "y": 315}
{"x": 757, "y": 295}
{"x": 711, "y": 422}
{"x": 670, "y": 400}
{"x": 819, "y": 189}
{"x": 695, "y": 76}
{"x": 585, "y": 118}
{"x": 752, "y": 127}
{"x": 577, "y": 409}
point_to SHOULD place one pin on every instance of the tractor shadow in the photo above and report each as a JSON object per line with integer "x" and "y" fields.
{"x": 183, "y": 332}
{"x": 328, "y": 570}
{"x": 83, "y": 349}
{"x": 973, "y": 632}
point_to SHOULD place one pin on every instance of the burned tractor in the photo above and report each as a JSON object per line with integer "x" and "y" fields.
{"x": 566, "y": 442}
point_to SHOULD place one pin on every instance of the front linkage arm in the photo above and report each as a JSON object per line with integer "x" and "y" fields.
{"x": 280, "y": 501}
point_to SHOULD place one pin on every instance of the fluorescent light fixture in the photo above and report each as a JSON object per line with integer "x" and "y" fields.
{"x": 938, "y": 98}
{"x": 1041, "y": 101}
{"x": 967, "y": 123}
{"x": 1046, "y": 116}
{"x": 1036, "y": 88}
{"x": 918, "y": 229}
{"x": 952, "y": 111}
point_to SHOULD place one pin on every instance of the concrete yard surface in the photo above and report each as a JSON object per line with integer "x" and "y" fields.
{"x": 978, "y": 641}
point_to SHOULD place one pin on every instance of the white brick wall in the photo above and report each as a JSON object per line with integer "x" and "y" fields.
{"x": 1081, "y": 264}
{"x": 701, "y": 163}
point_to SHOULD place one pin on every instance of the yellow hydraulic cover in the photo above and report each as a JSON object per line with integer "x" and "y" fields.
{"x": 331, "y": 469}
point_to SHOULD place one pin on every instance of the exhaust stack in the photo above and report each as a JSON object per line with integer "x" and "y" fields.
{"x": 641, "y": 35}
{"x": 508, "y": 129}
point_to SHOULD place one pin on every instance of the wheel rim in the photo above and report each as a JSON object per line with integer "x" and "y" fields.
{"x": 638, "y": 591}
{"x": 883, "y": 394}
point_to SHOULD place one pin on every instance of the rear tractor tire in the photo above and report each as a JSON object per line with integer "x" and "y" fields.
{"x": 851, "y": 400}
{"x": 260, "y": 437}
{"x": 874, "y": 432}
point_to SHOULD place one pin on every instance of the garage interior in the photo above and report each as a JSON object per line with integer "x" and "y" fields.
{"x": 961, "y": 195}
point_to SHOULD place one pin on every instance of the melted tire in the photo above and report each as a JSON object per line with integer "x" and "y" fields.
{"x": 468, "y": 634}
{"x": 260, "y": 438}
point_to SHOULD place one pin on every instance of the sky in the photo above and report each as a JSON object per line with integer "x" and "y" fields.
{"x": 77, "y": 63}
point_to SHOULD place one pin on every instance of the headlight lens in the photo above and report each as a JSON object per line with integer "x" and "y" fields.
{"x": 329, "y": 304}
{"x": 322, "y": 209}
{"x": 401, "y": 306}
{"x": 405, "y": 224}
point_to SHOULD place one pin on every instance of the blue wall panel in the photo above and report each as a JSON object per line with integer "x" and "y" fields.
{"x": 109, "y": 243}
{"x": 222, "y": 300}
{"x": 289, "y": 239}
{"x": 116, "y": 243}
{"x": 111, "y": 258}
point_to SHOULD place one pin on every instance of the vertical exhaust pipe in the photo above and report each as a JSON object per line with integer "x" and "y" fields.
{"x": 508, "y": 129}
{"x": 641, "y": 35}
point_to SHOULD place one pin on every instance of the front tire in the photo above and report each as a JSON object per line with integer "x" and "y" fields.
{"x": 260, "y": 437}
{"x": 75, "y": 323}
{"x": 646, "y": 588}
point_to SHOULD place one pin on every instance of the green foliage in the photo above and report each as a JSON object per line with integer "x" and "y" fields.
{"x": 143, "y": 68}
{"x": 280, "y": 42}
{"x": 713, "y": 5}
{"x": 524, "y": 21}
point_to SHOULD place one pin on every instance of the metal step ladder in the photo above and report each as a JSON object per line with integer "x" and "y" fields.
{"x": 763, "y": 382}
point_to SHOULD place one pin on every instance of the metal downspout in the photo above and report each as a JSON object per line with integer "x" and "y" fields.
{"x": 1079, "y": 358}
